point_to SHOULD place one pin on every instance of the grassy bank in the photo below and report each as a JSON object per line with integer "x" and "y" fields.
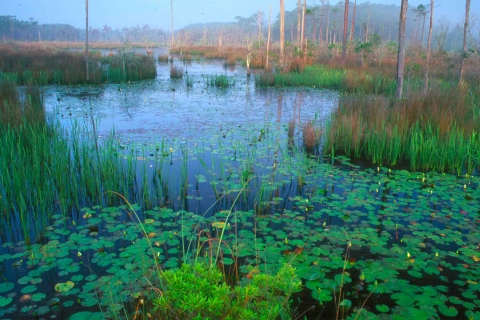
{"x": 60, "y": 67}
{"x": 318, "y": 76}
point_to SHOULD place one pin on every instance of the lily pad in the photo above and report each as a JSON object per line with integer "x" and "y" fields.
{"x": 448, "y": 311}
{"x": 63, "y": 287}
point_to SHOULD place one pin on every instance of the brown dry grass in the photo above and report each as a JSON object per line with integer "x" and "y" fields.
{"x": 311, "y": 136}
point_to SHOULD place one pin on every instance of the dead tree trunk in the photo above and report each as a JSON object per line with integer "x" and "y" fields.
{"x": 268, "y": 37}
{"x": 345, "y": 30}
{"x": 171, "y": 23}
{"x": 299, "y": 24}
{"x": 282, "y": 30}
{"x": 86, "y": 40}
{"x": 302, "y": 39}
{"x": 429, "y": 45}
{"x": 401, "y": 49}
{"x": 465, "y": 30}
{"x": 352, "y": 30}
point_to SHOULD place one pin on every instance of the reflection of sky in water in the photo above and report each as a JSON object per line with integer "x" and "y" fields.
{"x": 166, "y": 108}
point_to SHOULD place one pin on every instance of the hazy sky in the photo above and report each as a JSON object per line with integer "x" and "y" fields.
{"x": 121, "y": 13}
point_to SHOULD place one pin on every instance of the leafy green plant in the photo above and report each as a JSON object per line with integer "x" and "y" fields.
{"x": 200, "y": 292}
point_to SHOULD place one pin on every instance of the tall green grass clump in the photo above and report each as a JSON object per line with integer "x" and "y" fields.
{"x": 435, "y": 131}
{"x": 318, "y": 76}
{"x": 312, "y": 76}
{"x": 42, "y": 172}
{"x": 14, "y": 112}
{"x": 219, "y": 81}
{"x": 128, "y": 66}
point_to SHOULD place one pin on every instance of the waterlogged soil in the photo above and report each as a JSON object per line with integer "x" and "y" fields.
{"x": 366, "y": 242}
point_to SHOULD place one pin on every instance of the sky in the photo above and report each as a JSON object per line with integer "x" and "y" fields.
{"x": 156, "y": 13}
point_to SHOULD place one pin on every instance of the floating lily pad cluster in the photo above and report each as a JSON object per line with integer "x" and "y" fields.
{"x": 403, "y": 243}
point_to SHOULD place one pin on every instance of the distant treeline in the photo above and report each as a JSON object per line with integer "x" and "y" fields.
{"x": 323, "y": 25}
{"x": 12, "y": 29}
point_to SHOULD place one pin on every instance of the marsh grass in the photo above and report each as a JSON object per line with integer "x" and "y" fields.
{"x": 436, "y": 131}
{"x": 14, "y": 112}
{"x": 188, "y": 81}
{"x": 311, "y": 136}
{"x": 219, "y": 81}
{"x": 128, "y": 66}
{"x": 52, "y": 173}
{"x": 163, "y": 58}
{"x": 318, "y": 76}
{"x": 42, "y": 66}
{"x": 176, "y": 72}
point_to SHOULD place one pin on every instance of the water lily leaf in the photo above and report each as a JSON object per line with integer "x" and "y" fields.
{"x": 6, "y": 286}
{"x": 29, "y": 289}
{"x": 448, "y": 311}
{"x": 63, "y": 287}
{"x": 53, "y": 301}
{"x": 5, "y": 301}
{"x": 38, "y": 297}
{"x": 68, "y": 303}
{"x": 42, "y": 310}
{"x": 90, "y": 302}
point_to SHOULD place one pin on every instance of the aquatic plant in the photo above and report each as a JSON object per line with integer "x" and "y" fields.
{"x": 311, "y": 136}
{"x": 219, "y": 81}
{"x": 437, "y": 131}
{"x": 176, "y": 72}
{"x": 43, "y": 66}
{"x": 162, "y": 58}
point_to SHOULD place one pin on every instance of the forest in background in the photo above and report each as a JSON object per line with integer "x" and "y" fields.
{"x": 324, "y": 22}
